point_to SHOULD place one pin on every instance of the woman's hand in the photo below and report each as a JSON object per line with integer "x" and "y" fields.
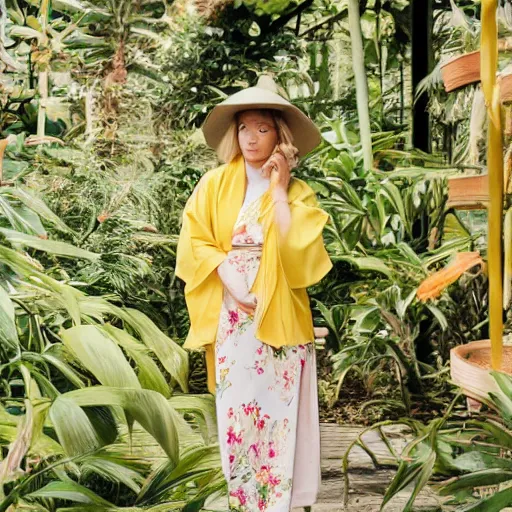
{"x": 279, "y": 171}
{"x": 236, "y": 287}
{"x": 247, "y": 304}
{"x": 279, "y": 181}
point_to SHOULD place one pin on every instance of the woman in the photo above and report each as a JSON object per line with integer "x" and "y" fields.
{"x": 250, "y": 245}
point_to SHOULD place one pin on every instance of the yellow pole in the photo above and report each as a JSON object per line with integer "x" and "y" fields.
{"x": 489, "y": 68}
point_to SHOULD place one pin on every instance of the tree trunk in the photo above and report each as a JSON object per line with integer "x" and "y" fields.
{"x": 356, "y": 38}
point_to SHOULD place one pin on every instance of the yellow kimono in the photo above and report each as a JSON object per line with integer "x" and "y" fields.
{"x": 288, "y": 265}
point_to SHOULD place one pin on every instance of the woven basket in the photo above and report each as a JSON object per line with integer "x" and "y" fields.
{"x": 470, "y": 367}
{"x": 468, "y": 192}
{"x": 461, "y": 70}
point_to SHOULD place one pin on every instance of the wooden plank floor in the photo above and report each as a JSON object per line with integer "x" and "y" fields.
{"x": 367, "y": 485}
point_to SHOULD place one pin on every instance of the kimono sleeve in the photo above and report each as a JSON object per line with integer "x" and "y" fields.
{"x": 198, "y": 253}
{"x": 304, "y": 258}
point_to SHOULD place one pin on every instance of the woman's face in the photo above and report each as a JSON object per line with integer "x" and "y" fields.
{"x": 257, "y": 136}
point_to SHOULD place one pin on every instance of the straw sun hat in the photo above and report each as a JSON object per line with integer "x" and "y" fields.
{"x": 264, "y": 95}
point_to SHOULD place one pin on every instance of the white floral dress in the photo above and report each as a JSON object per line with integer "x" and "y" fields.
{"x": 269, "y": 445}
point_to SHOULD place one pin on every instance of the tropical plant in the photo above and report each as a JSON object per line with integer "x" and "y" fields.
{"x": 388, "y": 231}
{"x": 466, "y": 459}
{"x": 84, "y": 382}
{"x": 89, "y": 412}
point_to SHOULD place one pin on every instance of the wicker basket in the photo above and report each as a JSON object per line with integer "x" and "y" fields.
{"x": 470, "y": 367}
{"x": 461, "y": 71}
{"x": 468, "y": 192}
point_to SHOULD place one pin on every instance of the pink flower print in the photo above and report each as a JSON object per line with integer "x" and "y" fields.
{"x": 255, "y": 449}
{"x": 271, "y": 451}
{"x": 302, "y": 363}
{"x": 262, "y": 476}
{"x": 230, "y": 412}
{"x": 279, "y": 494}
{"x": 259, "y": 370}
{"x": 288, "y": 379}
{"x": 233, "y": 438}
{"x": 222, "y": 359}
{"x": 248, "y": 409}
{"x": 233, "y": 317}
{"x": 273, "y": 481}
{"x": 231, "y": 459}
{"x": 260, "y": 424}
{"x": 240, "y": 494}
{"x": 262, "y": 504}
{"x": 259, "y": 351}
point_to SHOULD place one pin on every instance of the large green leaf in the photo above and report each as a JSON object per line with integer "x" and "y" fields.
{"x": 173, "y": 357}
{"x": 65, "y": 295}
{"x": 392, "y": 194}
{"x": 37, "y": 206}
{"x": 495, "y": 429}
{"x": 100, "y": 355}
{"x": 69, "y": 490}
{"x": 75, "y": 431}
{"x": 50, "y": 246}
{"x": 405, "y": 475}
{"x": 421, "y": 481}
{"x": 200, "y": 462}
{"x": 495, "y": 502}
{"x": 149, "y": 408}
{"x": 112, "y": 471}
{"x": 25, "y": 33}
{"x": 77, "y": 7}
{"x": 203, "y": 407}
{"x": 8, "y": 332}
{"x": 161, "y": 507}
{"x": 148, "y": 373}
{"x": 483, "y": 478}
{"x": 78, "y": 40}
{"x": 368, "y": 263}
{"x": 438, "y": 314}
{"x": 66, "y": 370}
{"x": 18, "y": 220}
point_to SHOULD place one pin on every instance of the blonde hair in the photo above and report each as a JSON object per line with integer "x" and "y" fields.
{"x": 229, "y": 148}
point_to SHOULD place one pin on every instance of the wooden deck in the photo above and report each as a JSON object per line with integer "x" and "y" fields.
{"x": 367, "y": 484}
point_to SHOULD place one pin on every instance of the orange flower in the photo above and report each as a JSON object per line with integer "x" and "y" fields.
{"x": 102, "y": 217}
{"x": 433, "y": 285}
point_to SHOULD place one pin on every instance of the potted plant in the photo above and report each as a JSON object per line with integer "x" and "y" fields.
{"x": 472, "y": 363}
{"x": 461, "y": 70}
{"x": 468, "y": 192}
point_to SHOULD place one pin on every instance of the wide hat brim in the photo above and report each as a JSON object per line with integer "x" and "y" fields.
{"x": 306, "y": 135}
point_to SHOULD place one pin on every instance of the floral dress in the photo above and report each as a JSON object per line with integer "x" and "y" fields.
{"x": 269, "y": 443}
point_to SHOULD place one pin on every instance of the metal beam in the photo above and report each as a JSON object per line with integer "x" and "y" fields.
{"x": 422, "y": 62}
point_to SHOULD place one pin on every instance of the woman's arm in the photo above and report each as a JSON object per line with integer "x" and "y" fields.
{"x": 279, "y": 181}
{"x": 236, "y": 286}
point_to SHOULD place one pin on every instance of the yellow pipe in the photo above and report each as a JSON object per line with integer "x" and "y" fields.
{"x": 489, "y": 68}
